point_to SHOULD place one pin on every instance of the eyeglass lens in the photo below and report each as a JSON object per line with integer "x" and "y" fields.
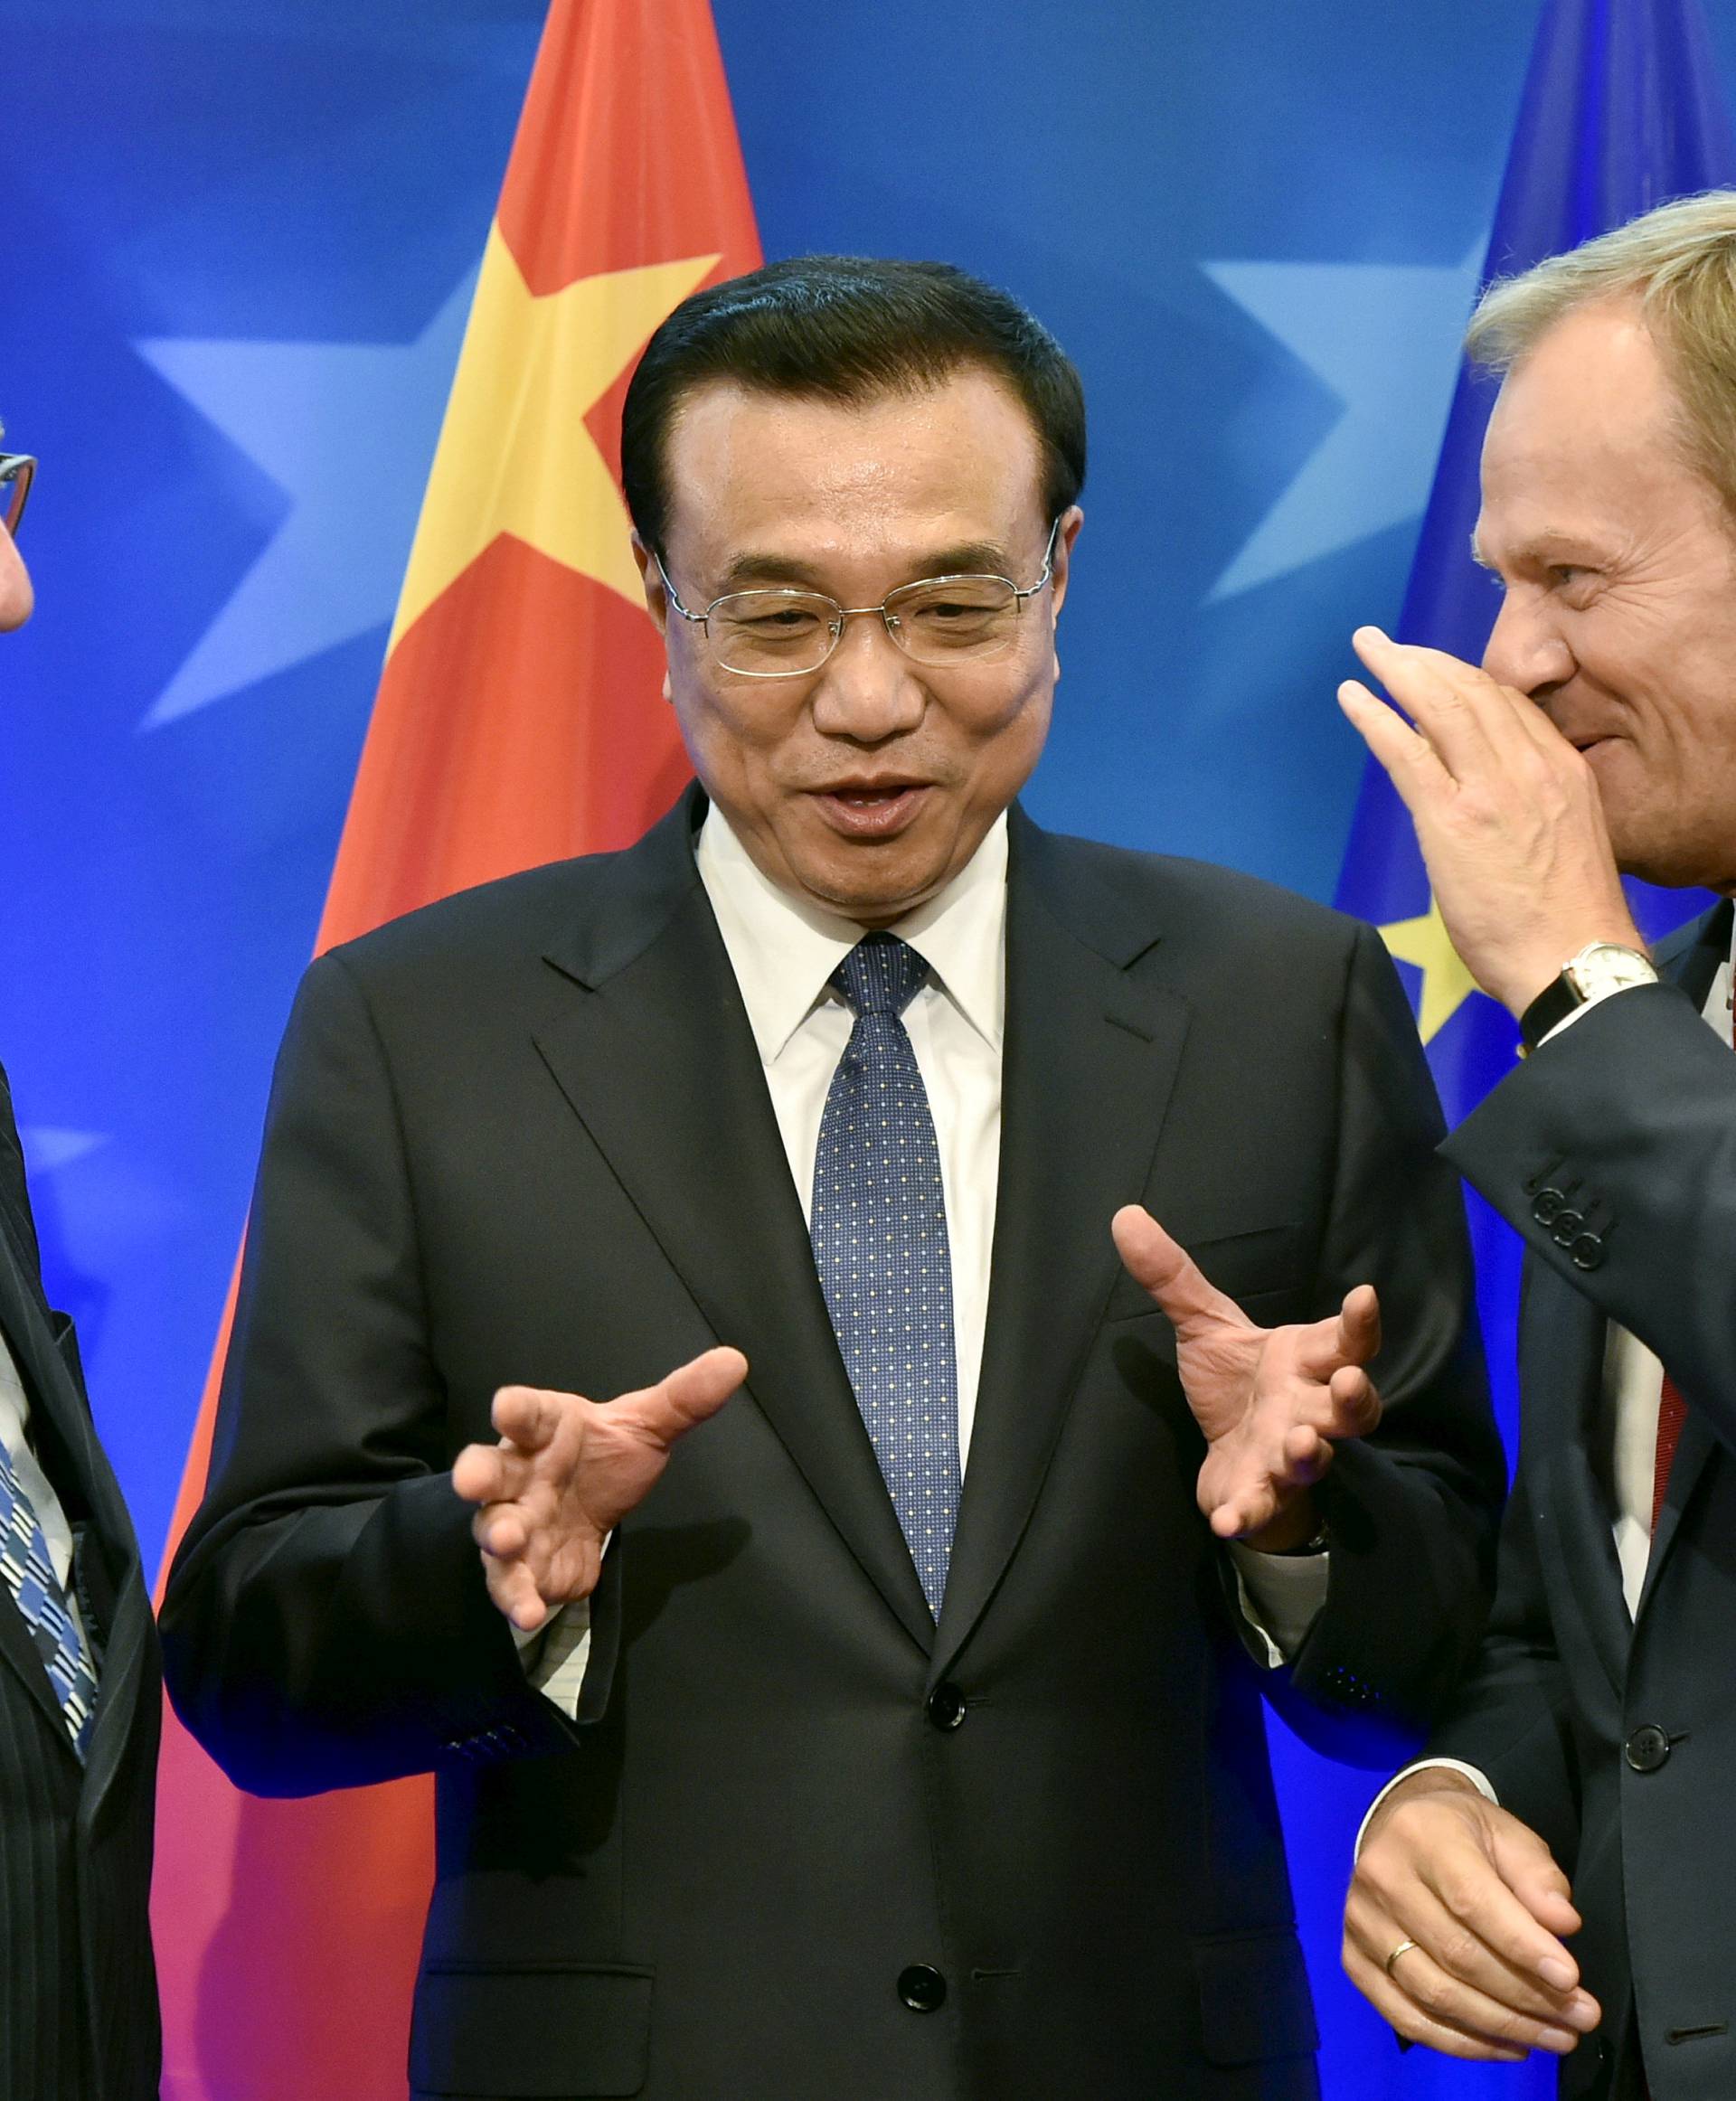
{"x": 944, "y": 621}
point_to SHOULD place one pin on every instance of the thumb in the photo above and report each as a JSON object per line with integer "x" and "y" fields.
{"x": 1169, "y": 1272}
{"x": 691, "y": 1392}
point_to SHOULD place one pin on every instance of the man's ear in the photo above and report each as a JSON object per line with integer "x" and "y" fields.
{"x": 16, "y": 597}
{"x": 657, "y": 598}
{"x": 1071, "y": 518}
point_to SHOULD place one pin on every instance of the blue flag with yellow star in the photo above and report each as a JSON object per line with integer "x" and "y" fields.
{"x": 1621, "y": 111}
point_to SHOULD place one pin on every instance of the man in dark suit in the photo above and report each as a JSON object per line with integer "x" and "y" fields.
{"x": 894, "y": 1729}
{"x": 1597, "y": 1734}
{"x": 79, "y": 1699}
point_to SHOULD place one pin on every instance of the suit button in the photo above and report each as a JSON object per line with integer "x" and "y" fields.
{"x": 945, "y": 1705}
{"x": 922, "y": 1989}
{"x": 1586, "y": 1252}
{"x": 1568, "y": 1223}
{"x": 1647, "y": 1747}
{"x": 1546, "y": 1205}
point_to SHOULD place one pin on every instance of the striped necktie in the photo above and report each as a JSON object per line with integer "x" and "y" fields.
{"x": 36, "y": 1589}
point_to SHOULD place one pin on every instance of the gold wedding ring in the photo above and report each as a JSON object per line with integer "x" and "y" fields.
{"x": 1403, "y": 1948}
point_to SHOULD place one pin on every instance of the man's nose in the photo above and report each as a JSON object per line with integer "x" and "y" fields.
{"x": 868, "y": 689}
{"x": 1526, "y": 648}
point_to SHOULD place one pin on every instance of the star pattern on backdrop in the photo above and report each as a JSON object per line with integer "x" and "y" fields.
{"x": 538, "y": 362}
{"x": 1447, "y": 984}
{"x": 1384, "y": 338}
{"x": 345, "y": 430}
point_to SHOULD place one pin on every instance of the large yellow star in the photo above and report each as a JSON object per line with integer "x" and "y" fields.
{"x": 1445, "y": 983}
{"x": 515, "y": 455}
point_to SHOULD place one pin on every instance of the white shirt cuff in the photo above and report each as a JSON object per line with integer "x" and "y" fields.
{"x": 1280, "y": 1597}
{"x": 555, "y": 1655}
{"x": 1478, "y": 1780}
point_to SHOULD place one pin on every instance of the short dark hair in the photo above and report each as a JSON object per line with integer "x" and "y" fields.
{"x": 848, "y": 328}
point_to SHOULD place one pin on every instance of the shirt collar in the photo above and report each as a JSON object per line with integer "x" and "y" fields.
{"x": 784, "y": 949}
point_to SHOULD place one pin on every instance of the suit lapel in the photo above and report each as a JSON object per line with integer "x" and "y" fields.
{"x": 1092, "y": 1050}
{"x": 1567, "y": 1331}
{"x": 683, "y": 1118}
{"x": 1690, "y": 959}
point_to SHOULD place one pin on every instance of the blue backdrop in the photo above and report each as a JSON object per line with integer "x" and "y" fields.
{"x": 238, "y": 239}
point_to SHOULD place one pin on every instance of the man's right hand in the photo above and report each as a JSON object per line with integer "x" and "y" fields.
{"x": 1476, "y": 1902}
{"x": 565, "y": 1473}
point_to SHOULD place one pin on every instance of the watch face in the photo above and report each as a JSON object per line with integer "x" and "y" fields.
{"x": 1603, "y": 966}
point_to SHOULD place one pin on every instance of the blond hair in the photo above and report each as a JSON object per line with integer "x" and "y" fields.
{"x": 1677, "y": 265}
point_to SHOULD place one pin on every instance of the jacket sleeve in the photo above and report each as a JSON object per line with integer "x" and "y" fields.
{"x": 326, "y": 1622}
{"x": 1613, "y": 1151}
{"x": 1412, "y": 1511}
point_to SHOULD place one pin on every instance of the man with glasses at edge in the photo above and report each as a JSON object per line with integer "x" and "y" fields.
{"x": 893, "y": 1727}
{"x": 79, "y": 1683}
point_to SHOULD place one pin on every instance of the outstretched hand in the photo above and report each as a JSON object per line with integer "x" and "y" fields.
{"x": 1272, "y": 1401}
{"x": 565, "y": 1473}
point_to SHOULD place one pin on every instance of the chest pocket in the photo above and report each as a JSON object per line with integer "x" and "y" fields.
{"x": 1258, "y": 1263}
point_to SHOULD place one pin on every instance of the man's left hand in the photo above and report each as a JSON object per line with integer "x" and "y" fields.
{"x": 1272, "y": 1401}
{"x": 1507, "y": 812}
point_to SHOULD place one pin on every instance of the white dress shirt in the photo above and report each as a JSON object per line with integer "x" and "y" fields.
{"x": 1625, "y": 1432}
{"x": 783, "y": 951}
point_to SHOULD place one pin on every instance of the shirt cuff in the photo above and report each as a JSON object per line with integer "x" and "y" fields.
{"x": 1478, "y": 1780}
{"x": 555, "y": 1655}
{"x": 1280, "y": 1596}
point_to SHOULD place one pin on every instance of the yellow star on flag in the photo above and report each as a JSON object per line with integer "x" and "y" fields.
{"x": 515, "y": 455}
{"x": 1446, "y": 982}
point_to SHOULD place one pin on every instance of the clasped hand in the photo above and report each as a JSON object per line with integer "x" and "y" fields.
{"x": 1455, "y": 1923}
{"x": 565, "y": 1473}
{"x": 1272, "y": 1401}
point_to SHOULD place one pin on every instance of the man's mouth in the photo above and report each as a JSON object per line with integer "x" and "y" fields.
{"x": 871, "y": 808}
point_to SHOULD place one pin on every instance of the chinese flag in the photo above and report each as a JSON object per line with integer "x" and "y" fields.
{"x": 518, "y": 720}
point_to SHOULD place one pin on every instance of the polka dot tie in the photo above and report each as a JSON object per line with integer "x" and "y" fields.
{"x": 879, "y": 1227}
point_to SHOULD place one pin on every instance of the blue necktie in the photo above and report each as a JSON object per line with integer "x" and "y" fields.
{"x": 31, "y": 1579}
{"x": 879, "y": 1228}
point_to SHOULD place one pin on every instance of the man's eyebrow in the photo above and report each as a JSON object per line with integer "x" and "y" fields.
{"x": 965, "y": 558}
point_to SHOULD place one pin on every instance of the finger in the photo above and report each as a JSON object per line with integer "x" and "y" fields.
{"x": 1456, "y": 1978}
{"x": 1351, "y": 1336}
{"x": 1256, "y": 1492}
{"x": 1359, "y": 1325}
{"x": 690, "y": 1394}
{"x": 1169, "y": 1272}
{"x": 501, "y": 1531}
{"x": 1530, "y": 1870}
{"x": 1410, "y": 761}
{"x": 513, "y": 1591}
{"x": 490, "y": 1472}
{"x": 1413, "y": 2020}
{"x": 530, "y": 1415}
{"x": 1458, "y": 707}
{"x": 1355, "y": 1403}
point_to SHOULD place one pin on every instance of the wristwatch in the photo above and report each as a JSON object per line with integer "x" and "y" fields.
{"x": 1599, "y": 968}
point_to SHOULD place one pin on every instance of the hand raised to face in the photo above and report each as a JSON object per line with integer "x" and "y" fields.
{"x": 1507, "y": 812}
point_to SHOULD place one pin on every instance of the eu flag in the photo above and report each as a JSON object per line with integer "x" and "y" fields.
{"x": 1621, "y": 111}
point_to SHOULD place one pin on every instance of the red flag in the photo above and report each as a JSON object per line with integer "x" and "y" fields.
{"x": 518, "y": 720}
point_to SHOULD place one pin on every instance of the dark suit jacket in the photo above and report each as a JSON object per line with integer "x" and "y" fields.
{"x": 525, "y": 1136}
{"x": 1613, "y": 1151}
{"x": 78, "y": 1986}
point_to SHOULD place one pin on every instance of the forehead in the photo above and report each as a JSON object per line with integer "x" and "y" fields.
{"x": 1585, "y": 435}
{"x": 961, "y": 459}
